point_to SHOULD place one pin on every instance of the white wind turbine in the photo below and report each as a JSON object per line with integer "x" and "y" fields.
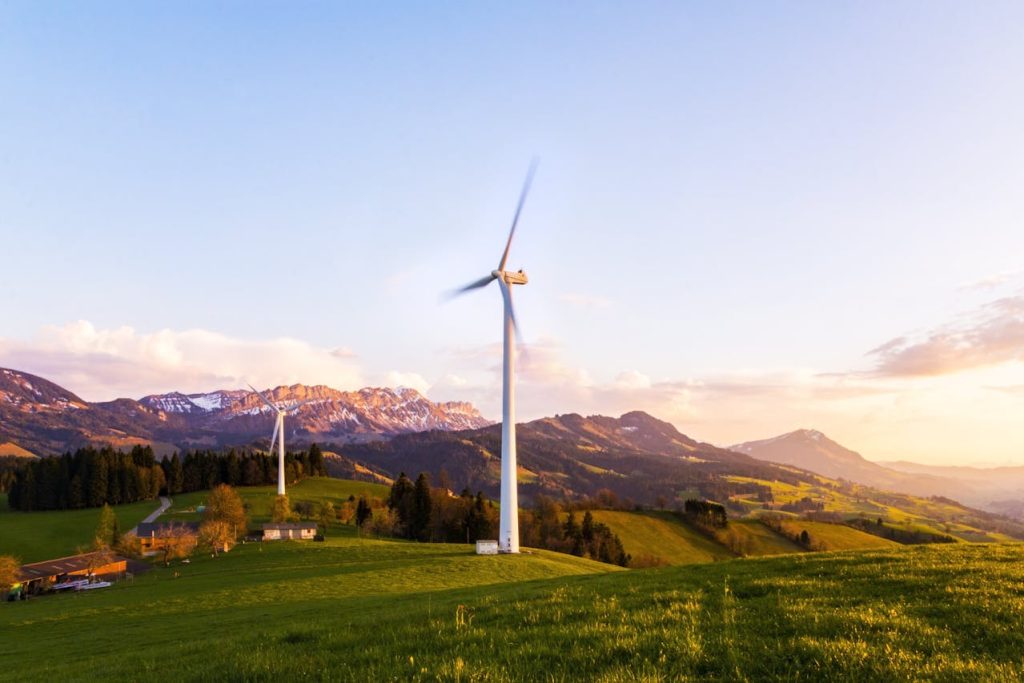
{"x": 508, "y": 534}
{"x": 278, "y": 429}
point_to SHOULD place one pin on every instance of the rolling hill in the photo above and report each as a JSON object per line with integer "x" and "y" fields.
{"x": 811, "y": 450}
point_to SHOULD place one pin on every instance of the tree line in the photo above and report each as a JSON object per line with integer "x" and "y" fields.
{"x": 416, "y": 510}
{"x": 92, "y": 477}
{"x": 422, "y": 512}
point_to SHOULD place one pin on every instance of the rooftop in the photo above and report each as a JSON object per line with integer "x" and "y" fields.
{"x": 161, "y": 528}
{"x": 65, "y": 565}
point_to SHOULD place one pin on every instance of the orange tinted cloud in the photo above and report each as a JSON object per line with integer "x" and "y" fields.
{"x": 991, "y": 335}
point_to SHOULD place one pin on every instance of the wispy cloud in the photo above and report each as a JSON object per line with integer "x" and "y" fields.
{"x": 991, "y": 335}
{"x": 102, "y": 364}
{"x": 993, "y": 281}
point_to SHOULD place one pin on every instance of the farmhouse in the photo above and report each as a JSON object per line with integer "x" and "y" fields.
{"x": 281, "y": 532}
{"x": 153, "y": 536}
{"x": 40, "y": 576}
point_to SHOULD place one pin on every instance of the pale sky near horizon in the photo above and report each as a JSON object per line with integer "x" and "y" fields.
{"x": 748, "y": 217}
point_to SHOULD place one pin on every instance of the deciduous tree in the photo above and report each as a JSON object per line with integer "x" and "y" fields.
{"x": 225, "y": 505}
{"x": 10, "y": 567}
{"x": 282, "y": 511}
{"x": 216, "y": 535}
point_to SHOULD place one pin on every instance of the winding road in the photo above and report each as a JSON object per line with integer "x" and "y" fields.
{"x": 164, "y": 504}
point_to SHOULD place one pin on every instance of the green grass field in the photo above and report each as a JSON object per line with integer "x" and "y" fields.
{"x": 837, "y": 536}
{"x": 356, "y": 609}
{"x": 661, "y": 535}
{"x": 759, "y": 540}
{"x": 37, "y": 536}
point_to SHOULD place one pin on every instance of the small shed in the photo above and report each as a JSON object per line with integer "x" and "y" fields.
{"x": 284, "y": 531}
{"x": 486, "y": 547}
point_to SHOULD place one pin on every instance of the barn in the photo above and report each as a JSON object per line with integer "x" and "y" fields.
{"x": 40, "y": 576}
{"x": 305, "y": 531}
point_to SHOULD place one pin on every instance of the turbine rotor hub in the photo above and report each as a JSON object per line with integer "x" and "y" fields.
{"x": 517, "y": 277}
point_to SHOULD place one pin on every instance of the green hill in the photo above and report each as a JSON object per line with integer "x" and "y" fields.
{"x": 757, "y": 540}
{"x": 376, "y": 610}
{"x": 660, "y": 535}
{"x": 824, "y": 536}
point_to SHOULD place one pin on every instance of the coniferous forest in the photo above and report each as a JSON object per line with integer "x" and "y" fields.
{"x": 92, "y": 477}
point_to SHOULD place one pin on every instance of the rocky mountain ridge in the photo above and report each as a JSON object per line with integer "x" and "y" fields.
{"x": 46, "y": 419}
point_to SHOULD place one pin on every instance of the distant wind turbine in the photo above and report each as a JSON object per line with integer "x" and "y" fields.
{"x": 508, "y": 534}
{"x": 278, "y": 429}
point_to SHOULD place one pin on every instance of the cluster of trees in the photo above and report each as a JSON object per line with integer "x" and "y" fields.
{"x": 705, "y": 513}
{"x": 419, "y": 511}
{"x": 93, "y": 477}
{"x": 201, "y": 470}
{"x": 543, "y": 526}
{"x": 805, "y": 504}
{"x": 88, "y": 478}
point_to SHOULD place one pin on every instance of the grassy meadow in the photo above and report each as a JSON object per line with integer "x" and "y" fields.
{"x": 661, "y": 535}
{"x": 38, "y": 536}
{"x": 359, "y": 609}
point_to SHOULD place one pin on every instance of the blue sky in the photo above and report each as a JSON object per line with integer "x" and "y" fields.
{"x": 736, "y": 203}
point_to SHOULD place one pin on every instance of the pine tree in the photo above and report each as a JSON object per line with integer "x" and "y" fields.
{"x": 316, "y": 461}
{"x": 421, "y": 509}
{"x": 401, "y": 501}
{"x": 587, "y": 530}
{"x": 363, "y": 512}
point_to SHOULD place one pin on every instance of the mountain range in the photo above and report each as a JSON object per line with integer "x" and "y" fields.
{"x": 46, "y": 419}
{"x": 378, "y": 432}
{"x": 1000, "y": 489}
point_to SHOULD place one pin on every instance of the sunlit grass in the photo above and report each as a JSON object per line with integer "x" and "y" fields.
{"x": 367, "y": 610}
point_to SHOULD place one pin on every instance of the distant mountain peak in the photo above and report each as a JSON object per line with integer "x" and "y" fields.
{"x": 47, "y": 418}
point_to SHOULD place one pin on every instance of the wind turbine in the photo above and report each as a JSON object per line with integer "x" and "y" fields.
{"x": 508, "y": 534}
{"x": 278, "y": 428}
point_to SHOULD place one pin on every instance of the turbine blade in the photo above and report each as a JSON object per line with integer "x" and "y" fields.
{"x": 277, "y": 424}
{"x": 519, "y": 209}
{"x": 264, "y": 398}
{"x": 295, "y": 408}
{"x": 482, "y": 282}
{"x": 506, "y": 293}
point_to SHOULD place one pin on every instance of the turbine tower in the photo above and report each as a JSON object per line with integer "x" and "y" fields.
{"x": 508, "y": 534}
{"x": 278, "y": 428}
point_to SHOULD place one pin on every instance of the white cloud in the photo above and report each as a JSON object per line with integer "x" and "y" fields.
{"x": 412, "y": 380}
{"x": 102, "y": 364}
{"x": 992, "y": 281}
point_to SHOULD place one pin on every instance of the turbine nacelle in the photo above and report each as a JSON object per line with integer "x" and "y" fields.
{"x": 509, "y": 277}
